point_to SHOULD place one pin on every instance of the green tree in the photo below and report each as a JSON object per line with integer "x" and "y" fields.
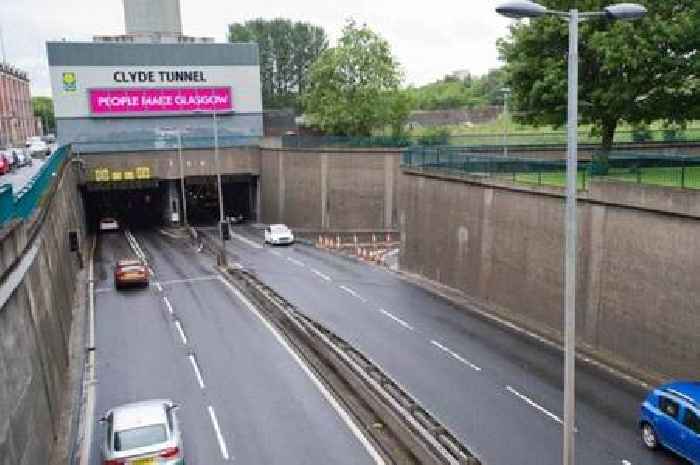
{"x": 354, "y": 87}
{"x": 287, "y": 49}
{"x": 633, "y": 71}
{"x": 43, "y": 108}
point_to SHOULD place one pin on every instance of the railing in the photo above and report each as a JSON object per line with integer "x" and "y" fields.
{"x": 641, "y": 168}
{"x": 22, "y": 204}
{"x": 169, "y": 142}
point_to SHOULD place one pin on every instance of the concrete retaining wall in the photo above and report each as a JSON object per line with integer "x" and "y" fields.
{"x": 638, "y": 268}
{"x": 330, "y": 190}
{"x": 35, "y": 327}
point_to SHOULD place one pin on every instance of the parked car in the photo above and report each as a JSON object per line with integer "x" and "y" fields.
{"x": 24, "y": 158}
{"x": 108, "y": 224}
{"x": 4, "y": 164}
{"x": 143, "y": 433}
{"x": 278, "y": 234}
{"x": 38, "y": 147}
{"x": 130, "y": 272}
{"x": 670, "y": 418}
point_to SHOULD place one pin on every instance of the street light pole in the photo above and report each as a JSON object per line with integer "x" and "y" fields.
{"x": 222, "y": 256}
{"x": 182, "y": 179}
{"x": 506, "y": 92}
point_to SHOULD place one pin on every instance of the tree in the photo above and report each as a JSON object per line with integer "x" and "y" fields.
{"x": 354, "y": 87}
{"x": 43, "y": 108}
{"x": 286, "y": 50}
{"x": 633, "y": 71}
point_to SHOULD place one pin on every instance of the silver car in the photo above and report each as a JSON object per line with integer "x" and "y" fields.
{"x": 142, "y": 433}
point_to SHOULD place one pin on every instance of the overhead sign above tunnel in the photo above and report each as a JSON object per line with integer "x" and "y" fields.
{"x": 159, "y": 100}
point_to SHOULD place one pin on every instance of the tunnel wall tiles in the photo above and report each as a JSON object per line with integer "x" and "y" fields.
{"x": 637, "y": 289}
{"x": 35, "y": 331}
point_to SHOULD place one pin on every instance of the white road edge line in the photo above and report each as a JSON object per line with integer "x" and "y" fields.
{"x": 90, "y": 382}
{"x": 189, "y": 280}
{"x": 167, "y": 304}
{"x": 533, "y": 404}
{"x": 197, "y": 373}
{"x": 352, "y": 293}
{"x": 219, "y": 436}
{"x": 178, "y": 325}
{"x": 245, "y": 240}
{"x": 396, "y": 319}
{"x": 159, "y": 287}
{"x": 296, "y": 262}
{"x": 274, "y": 252}
{"x": 319, "y": 385}
{"x": 320, "y": 275}
{"x": 455, "y": 355}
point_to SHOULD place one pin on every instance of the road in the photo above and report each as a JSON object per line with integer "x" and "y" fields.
{"x": 245, "y": 397}
{"x": 21, "y": 176}
{"x": 501, "y": 394}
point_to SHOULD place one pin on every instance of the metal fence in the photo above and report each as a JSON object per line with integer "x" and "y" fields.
{"x": 626, "y": 166}
{"x": 165, "y": 142}
{"x": 21, "y": 204}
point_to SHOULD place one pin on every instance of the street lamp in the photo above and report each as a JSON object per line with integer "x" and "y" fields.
{"x": 526, "y": 9}
{"x": 506, "y": 91}
{"x": 182, "y": 179}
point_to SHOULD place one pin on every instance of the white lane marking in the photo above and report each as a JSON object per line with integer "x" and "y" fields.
{"x": 90, "y": 381}
{"x": 167, "y": 304}
{"x": 103, "y": 290}
{"x": 352, "y": 293}
{"x": 246, "y": 241}
{"x": 159, "y": 287}
{"x": 197, "y": 373}
{"x": 189, "y": 280}
{"x": 150, "y": 270}
{"x": 296, "y": 262}
{"x": 397, "y": 319}
{"x": 274, "y": 252}
{"x": 320, "y": 386}
{"x": 626, "y": 462}
{"x": 219, "y": 436}
{"x": 455, "y": 355}
{"x": 533, "y": 404}
{"x": 320, "y": 275}
{"x": 178, "y": 325}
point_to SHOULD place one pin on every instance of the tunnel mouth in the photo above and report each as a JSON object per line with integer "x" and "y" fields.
{"x": 135, "y": 205}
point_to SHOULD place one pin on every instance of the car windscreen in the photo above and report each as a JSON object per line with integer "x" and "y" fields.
{"x": 139, "y": 437}
{"x": 279, "y": 230}
{"x": 131, "y": 268}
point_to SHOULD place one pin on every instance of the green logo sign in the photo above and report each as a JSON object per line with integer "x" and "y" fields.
{"x": 70, "y": 82}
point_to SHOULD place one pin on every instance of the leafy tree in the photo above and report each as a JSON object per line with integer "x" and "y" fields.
{"x": 637, "y": 71}
{"x": 286, "y": 50}
{"x": 43, "y": 108}
{"x": 354, "y": 87}
{"x": 452, "y": 93}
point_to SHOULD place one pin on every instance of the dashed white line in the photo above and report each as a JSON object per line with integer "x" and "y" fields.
{"x": 296, "y": 262}
{"x": 167, "y": 304}
{"x": 178, "y": 325}
{"x": 626, "y": 462}
{"x": 219, "y": 436}
{"x": 455, "y": 355}
{"x": 533, "y": 404}
{"x": 320, "y": 386}
{"x": 320, "y": 275}
{"x": 352, "y": 293}
{"x": 246, "y": 241}
{"x": 396, "y": 319}
{"x": 197, "y": 373}
{"x": 159, "y": 287}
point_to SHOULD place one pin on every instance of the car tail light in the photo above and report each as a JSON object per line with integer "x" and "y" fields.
{"x": 170, "y": 453}
{"x": 115, "y": 462}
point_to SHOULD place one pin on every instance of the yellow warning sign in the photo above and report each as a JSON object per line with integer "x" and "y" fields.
{"x": 101, "y": 174}
{"x": 116, "y": 175}
{"x": 128, "y": 175}
{"x": 143, "y": 172}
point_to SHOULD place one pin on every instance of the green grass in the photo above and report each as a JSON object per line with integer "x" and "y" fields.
{"x": 666, "y": 177}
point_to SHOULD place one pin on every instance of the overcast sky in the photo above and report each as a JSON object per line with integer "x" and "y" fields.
{"x": 430, "y": 39}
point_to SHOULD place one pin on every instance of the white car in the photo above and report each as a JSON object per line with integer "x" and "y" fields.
{"x": 278, "y": 234}
{"x": 109, "y": 224}
{"x": 38, "y": 147}
{"x": 145, "y": 432}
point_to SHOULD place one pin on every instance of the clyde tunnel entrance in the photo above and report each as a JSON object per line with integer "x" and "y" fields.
{"x": 136, "y": 204}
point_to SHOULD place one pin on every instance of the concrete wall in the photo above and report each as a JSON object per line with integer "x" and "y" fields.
{"x": 330, "y": 189}
{"x": 34, "y": 331}
{"x": 638, "y": 268}
{"x": 165, "y": 164}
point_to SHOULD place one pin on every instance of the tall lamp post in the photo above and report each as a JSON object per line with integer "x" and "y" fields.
{"x": 182, "y": 179}
{"x": 527, "y": 9}
{"x": 506, "y": 92}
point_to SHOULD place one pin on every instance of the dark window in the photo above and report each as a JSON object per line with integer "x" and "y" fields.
{"x": 109, "y": 427}
{"x": 139, "y": 437}
{"x": 668, "y": 407}
{"x": 170, "y": 420}
{"x": 692, "y": 421}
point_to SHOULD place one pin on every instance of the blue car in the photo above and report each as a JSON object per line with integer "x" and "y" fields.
{"x": 670, "y": 418}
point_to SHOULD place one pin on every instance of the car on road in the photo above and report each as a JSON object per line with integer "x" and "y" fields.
{"x": 130, "y": 271}
{"x": 38, "y": 147}
{"x": 4, "y": 163}
{"x": 142, "y": 433}
{"x": 670, "y": 418}
{"x": 278, "y": 234}
{"x": 108, "y": 224}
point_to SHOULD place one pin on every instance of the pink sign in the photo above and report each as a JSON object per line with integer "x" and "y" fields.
{"x": 159, "y": 100}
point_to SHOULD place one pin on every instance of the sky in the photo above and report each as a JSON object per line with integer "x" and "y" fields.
{"x": 429, "y": 39}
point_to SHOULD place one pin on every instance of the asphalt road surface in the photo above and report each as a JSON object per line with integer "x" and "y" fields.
{"x": 501, "y": 394}
{"x": 189, "y": 337}
{"x": 21, "y": 176}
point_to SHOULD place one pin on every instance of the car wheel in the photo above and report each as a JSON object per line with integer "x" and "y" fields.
{"x": 649, "y": 437}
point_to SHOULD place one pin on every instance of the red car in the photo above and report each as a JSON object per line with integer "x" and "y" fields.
{"x": 4, "y": 164}
{"x": 131, "y": 272}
